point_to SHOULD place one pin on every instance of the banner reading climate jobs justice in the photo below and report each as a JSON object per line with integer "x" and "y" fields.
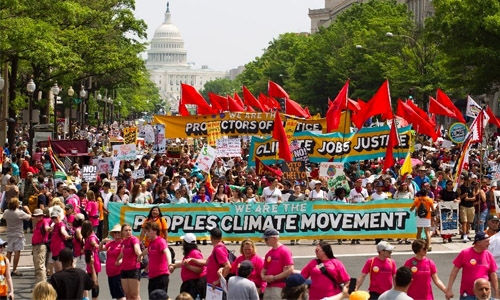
{"x": 368, "y": 143}
{"x": 294, "y": 220}
{"x": 236, "y": 124}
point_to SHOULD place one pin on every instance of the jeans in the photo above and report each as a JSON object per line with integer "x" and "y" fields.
{"x": 482, "y": 220}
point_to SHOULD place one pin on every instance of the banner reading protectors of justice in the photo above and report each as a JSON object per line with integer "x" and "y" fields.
{"x": 237, "y": 124}
{"x": 368, "y": 143}
{"x": 294, "y": 220}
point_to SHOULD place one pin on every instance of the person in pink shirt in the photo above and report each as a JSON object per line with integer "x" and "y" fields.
{"x": 91, "y": 248}
{"x": 475, "y": 262}
{"x": 193, "y": 275}
{"x": 70, "y": 197}
{"x": 278, "y": 265}
{"x": 113, "y": 247}
{"x": 248, "y": 252}
{"x": 424, "y": 270}
{"x": 59, "y": 235}
{"x": 39, "y": 240}
{"x": 324, "y": 285}
{"x": 381, "y": 268}
{"x": 158, "y": 253}
{"x": 92, "y": 210}
{"x": 128, "y": 260}
{"x": 78, "y": 253}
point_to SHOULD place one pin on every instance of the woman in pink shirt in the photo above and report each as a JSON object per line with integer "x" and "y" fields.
{"x": 91, "y": 248}
{"x": 247, "y": 250}
{"x": 326, "y": 272}
{"x": 424, "y": 270}
{"x": 158, "y": 253}
{"x": 193, "y": 275}
{"x": 59, "y": 235}
{"x": 113, "y": 248}
{"x": 130, "y": 266}
{"x": 92, "y": 210}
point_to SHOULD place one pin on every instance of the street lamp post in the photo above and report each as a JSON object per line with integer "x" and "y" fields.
{"x": 119, "y": 111}
{"x": 3, "y": 115}
{"x": 110, "y": 111}
{"x": 99, "y": 98}
{"x": 55, "y": 91}
{"x": 83, "y": 94}
{"x": 71, "y": 92}
{"x": 30, "y": 88}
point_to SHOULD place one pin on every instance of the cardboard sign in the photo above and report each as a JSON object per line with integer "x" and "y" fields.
{"x": 174, "y": 151}
{"x": 294, "y": 170}
{"x": 124, "y": 152}
{"x": 227, "y": 147}
{"x": 89, "y": 173}
{"x": 206, "y": 158}
{"x": 160, "y": 143}
{"x": 130, "y": 135}
{"x": 449, "y": 217}
{"x": 139, "y": 173}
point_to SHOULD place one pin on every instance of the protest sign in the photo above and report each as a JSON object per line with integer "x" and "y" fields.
{"x": 139, "y": 173}
{"x": 227, "y": 147}
{"x": 206, "y": 158}
{"x": 160, "y": 143}
{"x": 105, "y": 165}
{"x": 239, "y": 123}
{"x": 368, "y": 143}
{"x": 290, "y": 126}
{"x": 448, "y": 217}
{"x": 213, "y": 132}
{"x": 124, "y": 152}
{"x": 174, "y": 151}
{"x": 294, "y": 170}
{"x": 89, "y": 173}
{"x": 294, "y": 220}
{"x": 130, "y": 135}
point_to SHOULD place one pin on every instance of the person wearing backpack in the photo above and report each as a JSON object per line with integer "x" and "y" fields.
{"x": 424, "y": 207}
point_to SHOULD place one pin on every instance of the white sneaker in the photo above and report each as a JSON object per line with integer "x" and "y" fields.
{"x": 466, "y": 239}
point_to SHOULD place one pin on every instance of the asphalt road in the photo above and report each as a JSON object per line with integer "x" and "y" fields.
{"x": 353, "y": 257}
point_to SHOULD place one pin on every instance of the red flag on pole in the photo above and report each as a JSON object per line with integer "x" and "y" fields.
{"x": 279, "y": 134}
{"x": 443, "y": 99}
{"x": 218, "y": 102}
{"x": 393, "y": 142}
{"x": 250, "y": 100}
{"x": 493, "y": 119}
{"x": 335, "y": 108}
{"x": 182, "y": 109}
{"x": 439, "y": 109}
{"x": 189, "y": 95}
{"x": 421, "y": 126}
{"x": 379, "y": 104}
{"x": 293, "y": 108}
{"x": 234, "y": 105}
{"x": 274, "y": 90}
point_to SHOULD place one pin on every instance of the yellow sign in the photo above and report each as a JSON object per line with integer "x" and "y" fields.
{"x": 238, "y": 124}
{"x": 213, "y": 133}
{"x": 130, "y": 135}
{"x": 290, "y": 126}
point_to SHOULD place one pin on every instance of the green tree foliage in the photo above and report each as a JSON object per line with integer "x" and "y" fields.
{"x": 468, "y": 32}
{"x": 220, "y": 86}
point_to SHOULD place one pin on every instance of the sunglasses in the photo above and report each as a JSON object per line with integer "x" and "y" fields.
{"x": 2, "y": 246}
{"x": 53, "y": 217}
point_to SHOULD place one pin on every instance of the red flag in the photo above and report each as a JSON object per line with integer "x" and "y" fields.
{"x": 307, "y": 112}
{"x": 393, "y": 142}
{"x": 335, "y": 109}
{"x": 250, "y": 100}
{"x": 218, "y": 102}
{"x": 261, "y": 169}
{"x": 354, "y": 105}
{"x": 279, "y": 134}
{"x": 379, "y": 104}
{"x": 208, "y": 185}
{"x": 234, "y": 105}
{"x": 189, "y": 95}
{"x": 421, "y": 126}
{"x": 439, "y": 109}
{"x": 419, "y": 111}
{"x": 443, "y": 99}
{"x": 293, "y": 108}
{"x": 249, "y": 109}
{"x": 182, "y": 109}
{"x": 274, "y": 90}
{"x": 263, "y": 101}
{"x": 237, "y": 98}
{"x": 493, "y": 119}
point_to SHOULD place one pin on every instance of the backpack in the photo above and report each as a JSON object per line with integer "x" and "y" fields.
{"x": 33, "y": 202}
{"x": 422, "y": 210}
{"x": 231, "y": 257}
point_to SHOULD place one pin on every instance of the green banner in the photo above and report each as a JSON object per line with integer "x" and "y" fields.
{"x": 294, "y": 220}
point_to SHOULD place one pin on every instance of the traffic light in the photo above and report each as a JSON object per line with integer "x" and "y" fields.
{"x": 282, "y": 103}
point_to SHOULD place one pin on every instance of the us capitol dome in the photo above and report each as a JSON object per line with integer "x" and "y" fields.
{"x": 168, "y": 66}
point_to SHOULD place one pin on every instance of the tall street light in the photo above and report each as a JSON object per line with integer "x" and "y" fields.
{"x": 99, "y": 98}
{"x": 110, "y": 111}
{"x": 30, "y": 88}
{"x": 83, "y": 95}
{"x": 119, "y": 111}
{"x": 3, "y": 114}
{"x": 71, "y": 92}
{"x": 55, "y": 91}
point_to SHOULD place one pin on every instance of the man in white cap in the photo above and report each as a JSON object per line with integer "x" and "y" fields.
{"x": 381, "y": 268}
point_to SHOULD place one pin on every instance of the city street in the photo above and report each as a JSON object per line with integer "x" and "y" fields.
{"x": 353, "y": 257}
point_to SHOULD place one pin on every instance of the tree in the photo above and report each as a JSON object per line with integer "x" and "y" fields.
{"x": 220, "y": 86}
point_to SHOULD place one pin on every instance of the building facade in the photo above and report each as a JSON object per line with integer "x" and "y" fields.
{"x": 168, "y": 65}
{"x": 323, "y": 17}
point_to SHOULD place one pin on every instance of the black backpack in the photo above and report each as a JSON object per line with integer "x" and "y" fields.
{"x": 422, "y": 210}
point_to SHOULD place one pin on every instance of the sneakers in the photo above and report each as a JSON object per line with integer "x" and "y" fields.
{"x": 465, "y": 238}
{"x": 315, "y": 243}
{"x": 292, "y": 242}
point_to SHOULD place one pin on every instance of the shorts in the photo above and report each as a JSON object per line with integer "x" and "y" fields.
{"x": 423, "y": 222}
{"x": 80, "y": 263}
{"x": 131, "y": 274}
{"x": 272, "y": 293}
{"x": 115, "y": 287}
{"x": 467, "y": 214}
{"x": 15, "y": 244}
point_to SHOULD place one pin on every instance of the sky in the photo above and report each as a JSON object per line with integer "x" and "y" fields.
{"x": 225, "y": 34}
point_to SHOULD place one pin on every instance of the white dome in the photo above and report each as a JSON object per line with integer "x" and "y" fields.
{"x": 167, "y": 45}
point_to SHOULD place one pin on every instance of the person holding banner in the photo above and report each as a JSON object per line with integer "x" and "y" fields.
{"x": 271, "y": 193}
{"x": 317, "y": 194}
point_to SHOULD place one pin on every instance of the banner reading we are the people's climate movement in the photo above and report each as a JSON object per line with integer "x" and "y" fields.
{"x": 294, "y": 220}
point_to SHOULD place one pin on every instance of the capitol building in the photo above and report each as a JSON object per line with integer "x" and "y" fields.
{"x": 168, "y": 66}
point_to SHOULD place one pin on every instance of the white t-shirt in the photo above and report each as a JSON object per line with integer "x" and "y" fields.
{"x": 355, "y": 197}
{"x": 271, "y": 196}
{"x": 315, "y": 195}
{"x": 382, "y": 196}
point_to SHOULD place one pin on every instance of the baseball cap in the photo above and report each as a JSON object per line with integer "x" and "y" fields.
{"x": 116, "y": 228}
{"x": 493, "y": 218}
{"x": 479, "y": 237}
{"x": 128, "y": 170}
{"x": 80, "y": 217}
{"x": 296, "y": 280}
{"x": 189, "y": 238}
{"x": 54, "y": 213}
{"x": 270, "y": 232}
{"x": 2, "y": 242}
{"x": 37, "y": 212}
{"x": 383, "y": 245}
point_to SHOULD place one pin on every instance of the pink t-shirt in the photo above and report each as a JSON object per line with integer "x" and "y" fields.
{"x": 38, "y": 238}
{"x": 212, "y": 265}
{"x": 258, "y": 265}
{"x": 474, "y": 265}
{"x": 95, "y": 252}
{"x": 422, "y": 270}
{"x": 75, "y": 201}
{"x": 57, "y": 241}
{"x": 129, "y": 260}
{"x": 158, "y": 264}
{"x": 114, "y": 249}
{"x": 323, "y": 286}
{"x": 275, "y": 261}
{"x": 70, "y": 218}
{"x": 187, "y": 274}
{"x": 92, "y": 210}
{"x": 381, "y": 274}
